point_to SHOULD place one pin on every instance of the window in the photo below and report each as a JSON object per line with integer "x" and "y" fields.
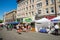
{"x": 46, "y": 2}
{"x": 59, "y": 7}
{"x": 38, "y": 0}
{"x": 46, "y": 10}
{"x": 52, "y": 9}
{"x": 29, "y": 13}
{"x": 59, "y": 0}
{"x": 24, "y": 9}
{"x": 27, "y": 8}
{"x": 26, "y": 13}
{"x": 32, "y": 13}
{"x": 39, "y": 5}
{"x": 39, "y": 11}
{"x": 52, "y": 1}
{"x": 27, "y": 2}
{"x": 32, "y": 6}
{"x": 32, "y": 1}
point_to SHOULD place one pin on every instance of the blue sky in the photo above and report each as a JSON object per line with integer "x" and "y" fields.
{"x": 6, "y": 6}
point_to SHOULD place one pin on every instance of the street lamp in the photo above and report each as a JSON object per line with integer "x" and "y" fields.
{"x": 55, "y": 8}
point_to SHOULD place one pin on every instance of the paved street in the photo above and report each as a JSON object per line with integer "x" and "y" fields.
{"x": 12, "y": 35}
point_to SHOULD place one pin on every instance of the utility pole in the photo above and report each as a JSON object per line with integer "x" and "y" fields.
{"x": 55, "y": 8}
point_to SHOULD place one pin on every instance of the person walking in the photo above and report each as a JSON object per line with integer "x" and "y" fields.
{"x": 7, "y": 27}
{"x": 56, "y": 29}
{"x": 18, "y": 29}
{"x": 10, "y": 26}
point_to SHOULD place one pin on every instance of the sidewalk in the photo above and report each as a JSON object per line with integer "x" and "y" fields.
{"x": 13, "y": 35}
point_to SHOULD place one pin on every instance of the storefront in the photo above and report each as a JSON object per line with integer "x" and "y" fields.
{"x": 25, "y": 20}
{"x": 19, "y": 20}
{"x": 28, "y": 20}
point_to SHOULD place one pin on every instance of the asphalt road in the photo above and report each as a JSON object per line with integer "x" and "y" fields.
{"x": 13, "y": 35}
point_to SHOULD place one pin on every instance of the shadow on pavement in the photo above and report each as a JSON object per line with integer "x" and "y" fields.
{"x": 1, "y": 38}
{"x": 55, "y": 34}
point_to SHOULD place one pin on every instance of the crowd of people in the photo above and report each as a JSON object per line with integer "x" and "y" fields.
{"x": 9, "y": 26}
{"x": 24, "y": 27}
{"x": 21, "y": 27}
{"x": 54, "y": 29}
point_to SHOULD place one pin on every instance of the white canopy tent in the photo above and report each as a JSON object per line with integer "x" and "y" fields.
{"x": 44, "y": 22}
{"x": 56, "y": 19}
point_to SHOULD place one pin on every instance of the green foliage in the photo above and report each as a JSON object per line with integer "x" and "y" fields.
{"x": 1, "y": 21}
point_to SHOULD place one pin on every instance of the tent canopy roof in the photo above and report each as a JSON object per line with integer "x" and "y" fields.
{"x": 43, "y": 20}
{"x": 56, "y": 18}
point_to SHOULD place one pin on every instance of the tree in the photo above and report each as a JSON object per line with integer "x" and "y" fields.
{"x": 1, "y": 21}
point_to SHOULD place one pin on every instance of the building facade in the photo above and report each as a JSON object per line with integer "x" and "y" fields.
{"x": 26, "y": 10}
{"x": 37, "y": 9}
{"x": 10, "y": 16}
{"x": 48, "y": 8}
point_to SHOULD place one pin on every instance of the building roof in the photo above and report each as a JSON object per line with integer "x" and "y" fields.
{"x": 10, "y": 12}
{"x": 19, "y": 1}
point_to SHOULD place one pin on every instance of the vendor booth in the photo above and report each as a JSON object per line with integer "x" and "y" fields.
{"x": 56, "y": 20}
{"x": 42, "y": 23}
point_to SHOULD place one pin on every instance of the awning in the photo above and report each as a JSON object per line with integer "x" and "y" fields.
{"x": 49, "y": 17}
{"x": 12, "y": 22}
